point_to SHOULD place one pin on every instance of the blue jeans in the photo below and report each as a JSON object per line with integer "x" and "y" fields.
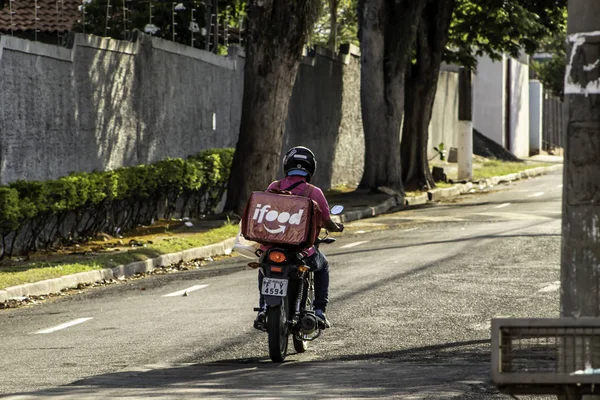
{"x": 320, "y": 267}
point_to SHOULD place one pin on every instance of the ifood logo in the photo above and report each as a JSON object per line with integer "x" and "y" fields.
{"x": 262, "y": 213}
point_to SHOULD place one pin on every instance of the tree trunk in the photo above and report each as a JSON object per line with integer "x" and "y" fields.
{"x": 421, "y": 87}
{"x": 387, "y": 30}
{"x": 278, "y": 31}
{"x": 333, "y": 10}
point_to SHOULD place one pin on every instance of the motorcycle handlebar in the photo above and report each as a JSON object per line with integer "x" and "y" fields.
{"x": 326, "y": 240}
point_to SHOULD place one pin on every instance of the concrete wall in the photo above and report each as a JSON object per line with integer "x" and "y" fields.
{"x": 536, "y": 104}
{"x": 105, "y": 103}
{"x": 444, "y": 125}
{"x": 519, "y": 107}
{"x": 494, "y": 82}
{"x": 489, "y": 99}
{"x": 325, "y": 116}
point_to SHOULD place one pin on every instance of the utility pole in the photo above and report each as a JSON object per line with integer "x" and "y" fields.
{"x": 580, "y": 258}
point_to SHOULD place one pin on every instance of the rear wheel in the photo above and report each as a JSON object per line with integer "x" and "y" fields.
{"x": 302, "y": 345}
{"x": 277, "y": 329}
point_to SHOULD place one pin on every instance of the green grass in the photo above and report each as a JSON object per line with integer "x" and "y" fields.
{"x": 8, "y": 279}
{"x": 439, "y": 185}
{"x": 413, "y": 193}
{"x": 489, "y": 169}
{"x": 337, "y": 190}
{"x": 499, "y": 168}
{"x": 28, "y": 272}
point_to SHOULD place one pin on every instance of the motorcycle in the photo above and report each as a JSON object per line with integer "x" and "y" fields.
{"x": 288, "y": 290}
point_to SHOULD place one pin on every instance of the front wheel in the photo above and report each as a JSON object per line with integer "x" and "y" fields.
{"x": 277, "y": 329}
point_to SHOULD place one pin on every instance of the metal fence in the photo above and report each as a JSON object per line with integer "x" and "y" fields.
{"x": 537, "y": 356}
{"x": 198, "y": 24}
{"x": 554, "y": 128}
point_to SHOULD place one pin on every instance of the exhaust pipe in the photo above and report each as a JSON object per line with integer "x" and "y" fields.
{"x": 308, "y": 323}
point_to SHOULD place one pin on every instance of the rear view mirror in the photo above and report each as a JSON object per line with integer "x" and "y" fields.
{"x": 335, "y": 210}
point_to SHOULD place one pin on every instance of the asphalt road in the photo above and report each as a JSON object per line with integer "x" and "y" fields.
{"x": 412, "y": 296}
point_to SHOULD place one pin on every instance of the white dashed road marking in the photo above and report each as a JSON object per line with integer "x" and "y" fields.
{"x": 65, "y": 325}
{"x": 503, "y": 205}
{"x": 551, "y": 288}
{"x": 536, "y": 194}
{"x": 409, "y": 230}
{"x": 349, "y": 245}
{"x": 234, "y": 371}
{"x": 182, "y": 292}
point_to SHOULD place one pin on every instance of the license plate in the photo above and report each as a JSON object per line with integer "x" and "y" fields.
{"x": 274, "y": 287}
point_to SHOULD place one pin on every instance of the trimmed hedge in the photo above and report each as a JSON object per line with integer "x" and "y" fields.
{"x": 79, "y": 206}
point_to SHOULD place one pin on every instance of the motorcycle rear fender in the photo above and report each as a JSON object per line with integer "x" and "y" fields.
{"x": 274, "y": 301}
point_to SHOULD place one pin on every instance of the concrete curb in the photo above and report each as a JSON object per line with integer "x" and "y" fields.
{"x": 368, "y": 212}
{"x": 458, "y": 189}
{"x": 72, "y": 281}
{"x": 225, "y": 247}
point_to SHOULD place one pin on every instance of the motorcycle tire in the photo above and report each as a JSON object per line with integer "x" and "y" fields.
{"x": 277, "y": 329}
{"x": 300, "y": 345}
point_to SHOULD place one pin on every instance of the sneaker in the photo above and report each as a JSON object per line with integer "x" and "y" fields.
{"x": 259, "y": 322}
{"x": 320, "y": 314}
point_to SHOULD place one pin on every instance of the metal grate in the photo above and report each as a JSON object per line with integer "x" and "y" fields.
{"x": 546, "y": 352}
{"x": 549, "y": 350}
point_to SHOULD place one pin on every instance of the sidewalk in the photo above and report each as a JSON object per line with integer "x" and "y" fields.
{"x": 358, "y": 204}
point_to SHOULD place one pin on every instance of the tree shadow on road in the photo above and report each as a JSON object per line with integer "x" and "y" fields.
{"x": 437, "y": 371}
{"x": 433, "y": 242}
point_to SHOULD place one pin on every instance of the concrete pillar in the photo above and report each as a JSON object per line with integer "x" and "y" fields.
{"x": 536, "y": 109}
{"x": 465, "y": 123}
{"x": 465, "y": 150}
{"x": 580, "y": 258}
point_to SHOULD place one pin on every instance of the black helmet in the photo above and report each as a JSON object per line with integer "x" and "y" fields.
{"x": 299, "y": 161}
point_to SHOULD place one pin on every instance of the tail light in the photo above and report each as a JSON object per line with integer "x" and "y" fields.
{"x": 277, "y": 257}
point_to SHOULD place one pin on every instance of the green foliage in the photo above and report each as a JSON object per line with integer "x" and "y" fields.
{"x": 494, "y": 27}
{"x": 98, "y": 186}
{"x": 109, "y": 183}
{"x": 347, "y": 23}
{"x": 71, "y": 192}
{"x": 10, "y": 212}
{"x": 551, "y": 71}
{"x": 137, "y": 188}
{"x": 441, "y": 151}
{"x": 31, "y": 197}
{"x": 478, "y": 27}
{"x": 219, "y": 160}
